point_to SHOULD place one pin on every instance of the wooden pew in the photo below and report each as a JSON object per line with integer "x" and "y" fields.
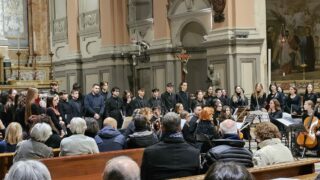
{"x": 86, "y": 166}
{"x": 300, "y": 168}
{"x": 6, "y": 161}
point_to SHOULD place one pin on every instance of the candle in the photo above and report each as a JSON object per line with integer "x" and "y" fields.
{"x": 269, "y": 66}
{"x": 283, "y": 74}
{"x": 19, "y": 42}
{"x": 34, "y": 41}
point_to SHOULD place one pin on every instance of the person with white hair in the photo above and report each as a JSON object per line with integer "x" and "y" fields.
{"x": 28, "y": 170}
{"x": 34, "y": 148}
{"x": 78, "y": 143}
{"x": 121, "y": 168}
{"x": 230, "y": 147}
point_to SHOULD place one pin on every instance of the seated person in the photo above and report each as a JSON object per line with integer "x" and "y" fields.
{"x": 275, "y": 112}
{"x": 92, "y": 127}
{"x": 172, "y": 157}
{"x": 271, "y": 151}
{"x": 227, "y": 170}
{"x": 34, "y": 148}
{"x": 120, "y": 168}
{"x": 12, "y": 137}
{"x": 230, "y": 147}
{"x": 26, "y": 170}
{"x": 109, "y": 138}
{"x": 142, "y": 137}
{"x": 78, "y": 143}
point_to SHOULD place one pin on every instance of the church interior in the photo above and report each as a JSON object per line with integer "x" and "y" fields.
{"x": 145, "y": 47}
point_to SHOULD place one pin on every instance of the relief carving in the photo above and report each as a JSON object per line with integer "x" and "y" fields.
{"x": 218, "y": 8}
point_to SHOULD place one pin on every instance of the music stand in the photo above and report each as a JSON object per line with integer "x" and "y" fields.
{"x": 248, "y": 120}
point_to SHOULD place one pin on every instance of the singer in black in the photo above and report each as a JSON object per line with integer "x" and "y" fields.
{"x": 114, "y": 107}
{"x": 293, "y": 102}
{"x": 258, "y": 98}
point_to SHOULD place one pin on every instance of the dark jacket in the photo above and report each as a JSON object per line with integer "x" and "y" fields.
{"x": 54, "y": 117}
{"x": 239, "y": 102}
{"x": 196, "y": 102}
{"x": 141, "y": 139}
{"x": 94, "y": 104}
{"x": 230, "y": 148}
{"x": 154, "y": 102}
{"x": 168, "y": 102}
{"x": 189, "y": 129}
{"x": 257, "y": 103}
{"x": 139, "y": 102}
{"x": 205, "y": 132}
{"x": 293, "y": 104}
{"x": 54, "y": 140}
{"x": 170, "y": 158}
{"x": 20, "y": 113}
{"x": 65, "y": 110}
{"x": 312, "y": 96}
{"x": 114, "y": 108}
{"x": 109, "y": 139}
{"x": 106, "y": 95}
{"x": 77, "y": 108}
{"x": 183, "y": 98}
{"x": 275, "y": 115}
{"x": 6, "y": 147}
{"x": 277, "y": 96}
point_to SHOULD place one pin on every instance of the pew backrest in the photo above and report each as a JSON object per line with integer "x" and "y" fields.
{"x": 86, "y": 166}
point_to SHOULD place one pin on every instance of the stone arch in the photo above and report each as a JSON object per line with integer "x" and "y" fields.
{"x": 201, "y": 29}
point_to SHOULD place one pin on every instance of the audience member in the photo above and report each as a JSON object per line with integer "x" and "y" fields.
{"x": 12, "y": 137}
{"x": 230, "y": 147}
{"x": 271, "y": 151}
{"x": 142, "y": 137}
{"x": 28, "y": 170}
{"x": 205, "y": 131}
{"x": 121, "y": 168}
{"x": 54, "y": 140}
{"x": 178, "y": 108}
{"x": 34, "y": 148}
{"x": 92, "y": 127}
{"x": 54, "y": 114}
{"x": 109, "y": 138}
{"x": 78, "y": 143}
{"x": 172, "y": 157}
{"x": 227, "y": 171}
{"x": 189, "y": 128}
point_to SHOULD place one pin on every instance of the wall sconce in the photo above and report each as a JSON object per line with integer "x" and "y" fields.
{"x": 218, "y": 8}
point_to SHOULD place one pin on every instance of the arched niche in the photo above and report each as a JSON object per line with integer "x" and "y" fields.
{"x": 192, "y": 35}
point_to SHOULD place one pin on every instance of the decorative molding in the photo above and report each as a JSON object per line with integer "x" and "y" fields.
{"x": 218, "y": 8}
{"x": 90, "y": 24}
{"x": 60, "y": 30}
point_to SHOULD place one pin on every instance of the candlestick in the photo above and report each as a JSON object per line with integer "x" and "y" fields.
{"x": 34, "y": 41}
{"x": 18, "y": 43}
{"x": 18, "y": 54}
{"x": 51, "y": 66}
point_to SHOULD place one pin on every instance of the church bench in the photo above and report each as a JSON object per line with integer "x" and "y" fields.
{"x": 304, "y": 167}
{"x": 6, "y": 161}
{"x": 86, "y": 166}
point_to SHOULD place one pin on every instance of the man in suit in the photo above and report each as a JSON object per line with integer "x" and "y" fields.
{"x": 168, "y": 99}
{"x": 94, "y": 104}
{"x": 140, "y": 101}
{"x": 114, "y": 107}
{"x": 183, "y": 96}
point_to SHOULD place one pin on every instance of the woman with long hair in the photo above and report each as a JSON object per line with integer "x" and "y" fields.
{"x": 29, "y": 108}
{"x": 12, "y": 137}
{"x": 309, "y": 94}
{"x": 178, "y": 108}
{"x": 293, "y": 102}
{"x": 209, "y": 96}
{"x": 274, "y": 94}
{"x": 238, "y": 99}
{"x": 275, "y": 112}
{"x": 54, "y": 114}
{"x": 226, "y": 113}
{"x": 258, "y": 98}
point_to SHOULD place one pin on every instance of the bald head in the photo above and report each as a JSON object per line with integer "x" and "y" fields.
{"x": 228, "y": 126}
{"x": 110, "y": 122}
{"x": 121, "y": 168}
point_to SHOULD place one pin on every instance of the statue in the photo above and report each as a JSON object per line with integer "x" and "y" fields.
{"x": 213, "y": 78}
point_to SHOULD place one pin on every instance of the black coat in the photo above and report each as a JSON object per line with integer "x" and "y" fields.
{"x": 183, "y": 98}
{"x": 114, "y": 108}
{"x": 276, "y": 115}
{"x": 257, "y": 103}
{"x": 293, "y": 104}
{"x": 277, "y": 96}
{"x": 76, "y": 108}
{"x": 168, "y": 102}
{"x": 189, "y": 129}
{"x": 54, "y": 117}
{"x": 170, "y": 158}
{"x": 229, "y": 150}
{"x": 141, "y": 139}
{"x": 65, "y": 110}
{"x": 154, "y": 102}
{"x": 239, "y": 102}
{"x": 139, "y": 102}
{"x": 312, "y": 96}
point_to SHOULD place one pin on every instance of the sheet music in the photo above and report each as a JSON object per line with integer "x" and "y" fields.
{"x": 287, "y": 120}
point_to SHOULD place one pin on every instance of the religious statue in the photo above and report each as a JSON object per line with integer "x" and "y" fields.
{"x": 218, "y": 8}
{"x": 213, "y": 77}
{"x": 184, "y": 58}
